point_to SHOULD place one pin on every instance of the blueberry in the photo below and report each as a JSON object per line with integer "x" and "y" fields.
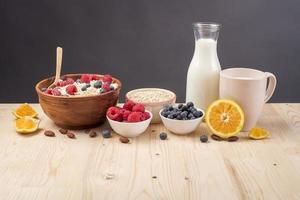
{"x": 78, "y": 81}
{"x": 84, "y": 88}
{"x": 184, "y": 114}
{"x": 197, "y": 114}
{"x": 163, "y": 136}
{"x": 170, "y": 116}
{"x": 165, "y": 114}
{"x": 106, "y": 133}
{"x": 180, "y": 106}
{"x": 101, "y": 90}
{"x": 88, "y": 85}
{"x": 184, "y": 108}
{"x": 190, "y": 104}
{"x": 184, "y": 118}
{"x": 97, "y": 84}
{"x": 179, "y": 117}
{"x": 171, "y": 108}
{"x": 190, "y": 116}
{"x": 203, "y": 138}
{"x": 111, "y": 87}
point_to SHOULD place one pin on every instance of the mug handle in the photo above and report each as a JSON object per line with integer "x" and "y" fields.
{"x": 271, "y": 86}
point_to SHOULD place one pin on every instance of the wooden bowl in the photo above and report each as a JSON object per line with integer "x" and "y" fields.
{"x": 76, "y": 112}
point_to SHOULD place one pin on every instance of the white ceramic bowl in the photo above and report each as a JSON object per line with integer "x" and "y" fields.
{"x": 181, "y": 127}
{"x": 130, "y": 129}
{"x": 153, "y": 107}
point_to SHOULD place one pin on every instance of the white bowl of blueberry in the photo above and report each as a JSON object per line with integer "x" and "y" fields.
{"x": 181, "y": 119}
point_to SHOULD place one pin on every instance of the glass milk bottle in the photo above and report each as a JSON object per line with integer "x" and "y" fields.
{"x": 202, "y": 86}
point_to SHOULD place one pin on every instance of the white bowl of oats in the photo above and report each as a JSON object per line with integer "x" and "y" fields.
{"x": 154, "y": 100}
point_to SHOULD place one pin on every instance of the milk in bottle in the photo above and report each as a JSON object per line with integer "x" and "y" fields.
{"x": 202, "y": 86}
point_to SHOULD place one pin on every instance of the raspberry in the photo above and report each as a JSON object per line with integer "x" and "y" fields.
{"x": 71, "y": 89}
{"x": 56, "y": 92}
{"x": 49, "y": 91}
{"x": 107, "y": 78}
{"x": 128, "y": 105}
{"x": 126, "y": 114}
{"x": 134, "y": 117}
{"x": 85, "y": 78}
{"x": 145, "y": 116}
{"x": 69, "y": 81}
{"x": 61, "y": 83}
{"x": 93, "y": 77}
{"x": 138, "y": 108}
{"x": 114, "y": 113}
{"x": 106, "y": 87}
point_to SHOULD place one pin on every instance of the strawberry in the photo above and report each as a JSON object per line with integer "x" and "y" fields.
{"x": 69, "y": 81}
{"x": 71, "y": 89}
{"x": 56, "y": 92}
{"x": 138, "y": 108}
{"x": 128, "y": 105}
{"x": 134, "y": 117}
{"x": 106, "y": 87}
{"x": 107, "y": 78}
{"x": 114, "y": 113}
{"x": 85, "y": 78}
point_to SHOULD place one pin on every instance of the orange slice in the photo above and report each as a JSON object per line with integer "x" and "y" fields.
{"x": 25, "y": 110}
{"x": 225, "y": 118}
{"x": 27, "y": 125}
{"x": 257, "y": 133}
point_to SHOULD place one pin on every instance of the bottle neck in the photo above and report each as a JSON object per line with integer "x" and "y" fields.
{"x": 206, "y": 31}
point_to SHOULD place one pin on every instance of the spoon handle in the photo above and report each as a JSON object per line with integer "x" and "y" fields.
{"x": 59, "y": 52}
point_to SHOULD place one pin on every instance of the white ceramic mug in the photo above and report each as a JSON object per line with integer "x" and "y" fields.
{"x": 250, "y": 88}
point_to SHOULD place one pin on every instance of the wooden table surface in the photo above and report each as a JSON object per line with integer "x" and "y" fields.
{"x": 40, "y": 167}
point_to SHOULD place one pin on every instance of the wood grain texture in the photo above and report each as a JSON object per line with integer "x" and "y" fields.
{"x": 40, "y": 167}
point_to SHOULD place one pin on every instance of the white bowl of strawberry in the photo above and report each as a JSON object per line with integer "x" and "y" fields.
{"x": 130, "y": 120}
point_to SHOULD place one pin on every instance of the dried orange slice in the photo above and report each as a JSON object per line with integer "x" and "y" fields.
{"x": 25, "y": 110}
{"x": 27, "y": 125}
{"x": 225, "y": 118}
{"x": 257, "y": 133}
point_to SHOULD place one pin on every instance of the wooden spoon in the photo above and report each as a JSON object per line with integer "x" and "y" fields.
{"x": 59, "y": 52}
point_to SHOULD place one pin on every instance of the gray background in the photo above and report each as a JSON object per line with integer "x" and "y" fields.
{"x": 144, "y": 43}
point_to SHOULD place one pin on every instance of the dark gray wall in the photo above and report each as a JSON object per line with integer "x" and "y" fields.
{"x": 144, "y": 43}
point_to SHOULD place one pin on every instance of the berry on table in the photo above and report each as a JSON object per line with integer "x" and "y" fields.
{"x": 203, "y": 138}
{"x": 106, "y": 133}
{"x": 163, "y": 136}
